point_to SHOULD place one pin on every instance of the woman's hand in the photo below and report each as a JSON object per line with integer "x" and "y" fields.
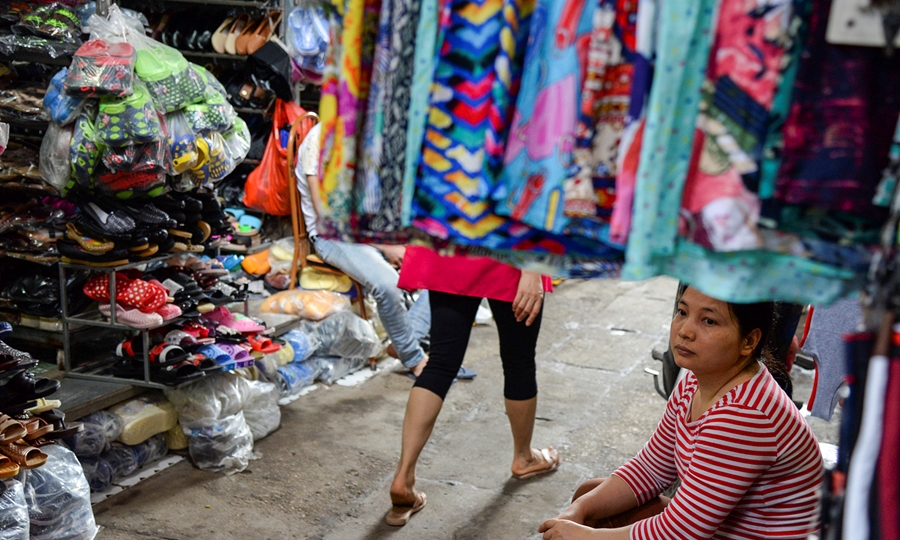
{"x": 529, "y": 298}
{"x": 393, "y": 254}
{"x": 561, "y": 529}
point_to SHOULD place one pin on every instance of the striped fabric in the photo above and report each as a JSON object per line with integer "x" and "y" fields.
{"x": 750, "y": 467}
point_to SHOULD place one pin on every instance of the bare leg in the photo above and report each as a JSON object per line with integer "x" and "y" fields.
{"x": 521, "y": 420}
{"x": 421, "y": 412}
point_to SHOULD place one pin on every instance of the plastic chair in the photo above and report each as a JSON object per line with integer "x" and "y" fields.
{"x": 303, "y": 255}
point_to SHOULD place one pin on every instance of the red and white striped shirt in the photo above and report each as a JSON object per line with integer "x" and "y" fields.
{"x": 750, "y": 467}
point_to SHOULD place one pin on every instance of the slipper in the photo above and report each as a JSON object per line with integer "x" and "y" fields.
{"x": 25, "y": 456}
{"x": 240, "y": 355}
{"x": 400, "y": 515}
{"x": 26, "y": 387}
{"x": 37, "y": 427}
{"x": 60, "y": 430}
{"x": 551, "y": 459}
{"x": 44, "y": 405}
{"x": 133, "y": 317}
{"x": 6, "y": 329}
{"x": 220, "y": 355}
{"x": 8, "y": 469}
{"x": 10, "y": 429}
{"x": 177, "y": 374}
{"x": 263, "y": 344}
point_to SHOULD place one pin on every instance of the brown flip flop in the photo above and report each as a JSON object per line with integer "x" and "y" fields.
{"x": 10, "y": 430}
{"x": 400, "y": 515}
{"x": 37, "y": 427}
{"x": 551, "y": 457}
{"x": 8, "y": 469}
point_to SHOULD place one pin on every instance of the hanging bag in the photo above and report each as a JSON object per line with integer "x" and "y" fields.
{"x": 267, "y": 186}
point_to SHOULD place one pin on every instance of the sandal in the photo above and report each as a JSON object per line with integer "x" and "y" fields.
{"x": 11, "y": 430}
{"x": 25, "y": 456}
{"x": 400, "y": 515}
{"x": 26, "y": 387}
{"x": 552, "y": 459}
{"x": 263, "y": 344}
{"x": 37, "y": 427}
{"x": 176, "y": 374}
{"x": 8, "y": 468}
{"x": 60, "y": 430}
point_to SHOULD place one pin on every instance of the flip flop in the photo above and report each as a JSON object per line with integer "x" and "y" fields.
{"x": 37, "y": 427}
{"x": 552, "y": 460}
{"x": 400, "y": 515}
{"x": 264, "y": 344}
{"x": 8, "y": 469}
{"x": 25, "y": 456}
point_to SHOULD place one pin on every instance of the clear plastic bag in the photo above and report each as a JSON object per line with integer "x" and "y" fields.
{"x": 98, "y": 472}
{"x": 281, "y": 254}
{"x": 211, "y": 397}
{"x": 84, "y": 12}
{"x": 54, "y": 165}
{"x": 140, "y": 157}
{"x": 61, "y": 107}
{"x": 122, "y": 460}
{"x": 311, "y": 305}
{"x": 144, "y": 417}
{"x": 59, "y": 498}
{"x": 224, "y": 445}
{"x": 303, "y": 344}
{"x": 54, "y": 21}
{"x": 332, "y": 368}
{"x": 261, "y": 411}
{"x": 344, "y": 334}
{"x": 295, "y": 376}
{"x": 214, "y": 113}
{"x": 100, "y": 430}
{"x": 128, "y": 120}
{"x": 85, "y": 150}
{"x": 101, "y": 68}
{"x": 182, "y": 142}
{"x": 214, "y": 163}
{"x": 237, "y": 140}
{"x": 14, "y": 524}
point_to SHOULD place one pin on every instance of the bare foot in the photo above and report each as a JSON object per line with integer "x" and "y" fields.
{"x": 539, "y": 462}
{"x": 417, "y": 370}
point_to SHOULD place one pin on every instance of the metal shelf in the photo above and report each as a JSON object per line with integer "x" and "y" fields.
{"x": 233, "y": 3}
{"x": 213, "y": 55}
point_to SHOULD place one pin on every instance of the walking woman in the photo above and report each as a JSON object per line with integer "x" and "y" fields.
{"x": 456, "y": 286}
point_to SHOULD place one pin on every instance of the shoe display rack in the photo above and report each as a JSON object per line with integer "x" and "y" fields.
{"x": 101, "y": 370}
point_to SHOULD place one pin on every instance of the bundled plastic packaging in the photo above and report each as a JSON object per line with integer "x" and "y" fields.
{"x": 61, "y": 107}
{"x": 344, "y": 334}
{"x": 14, "y": 524}
{"x": 210, "y": 414}
{"x": 144, "y": 417}
{"x": 332, "y": 368}
{"x": 303, "y": 344}
{"x": 59, "y": 498}
{"x": 214, "y": 162}
{"x": 295, "y": 376}
{"x": 261, "y": 411}
{"x": 224, "y": 445}
{"x": 100, "y": 430}
{"x": 85, "y": 150}
{"x": 128, "y": 120}
{"x": 311, "y": 305}
{"x": 54, "y": 164}
{"x": 121, "y": 460}
{"x": 182, "y": 142}
{"x": 84, "y": 12}
{"x": 172, "y": 80}
{"x": 142, "y": 157}
{"x": 214, "y": 113}
{"x": 55, "y": 21}
{"x": 237, "y": 140}
{"x": 101, "y": 68}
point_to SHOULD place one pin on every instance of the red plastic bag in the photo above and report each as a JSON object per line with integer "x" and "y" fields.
{"x": 267, "y": 186}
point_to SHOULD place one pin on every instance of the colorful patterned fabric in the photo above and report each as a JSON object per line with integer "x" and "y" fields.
{"x": 475, "y": 80}
{"x": 720, "y": 210}
{"x": 424, "y": 62}
{"x": 836, "y": 144}
{"x": 341, "y": 109}
{"x": 541, "y": 141}
{"x": 386, "y": 223}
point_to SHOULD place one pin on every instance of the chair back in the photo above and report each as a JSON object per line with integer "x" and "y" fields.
{"x": 299, "y": 129}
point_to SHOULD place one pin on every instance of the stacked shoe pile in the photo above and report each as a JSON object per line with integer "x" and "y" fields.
{"x": 216, "y": 341}
{"x": 111, "y": 232}
{"x": 28, "y": 420}
{"x": 134, "y": 119}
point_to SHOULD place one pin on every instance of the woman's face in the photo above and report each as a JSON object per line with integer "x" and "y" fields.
{"x": 705, "y": 337}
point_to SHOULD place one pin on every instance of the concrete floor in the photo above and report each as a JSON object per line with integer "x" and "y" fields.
{"x": 325, "y": 473}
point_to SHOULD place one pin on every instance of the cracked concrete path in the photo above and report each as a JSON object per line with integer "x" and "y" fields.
{"x": 325, "y": 473}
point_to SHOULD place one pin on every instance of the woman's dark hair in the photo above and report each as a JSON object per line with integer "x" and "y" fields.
{"x": 762, "y": 315}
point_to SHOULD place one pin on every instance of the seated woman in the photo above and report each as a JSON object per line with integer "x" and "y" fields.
{"x": 749, "y": 465}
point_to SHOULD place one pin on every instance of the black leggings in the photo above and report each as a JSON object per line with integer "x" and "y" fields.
{"x": 452, "y": 317}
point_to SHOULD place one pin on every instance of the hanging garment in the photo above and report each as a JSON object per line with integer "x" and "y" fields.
{"x": 385, "y": 223}
{"x": 666, "y": 155}
{"x": 836, "y": 142}
{"x": 345, "y": 90}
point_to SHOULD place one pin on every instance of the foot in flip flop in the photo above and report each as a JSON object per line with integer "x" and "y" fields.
{"x": 546, "y": 460}
{"x": 400, "y": 514}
